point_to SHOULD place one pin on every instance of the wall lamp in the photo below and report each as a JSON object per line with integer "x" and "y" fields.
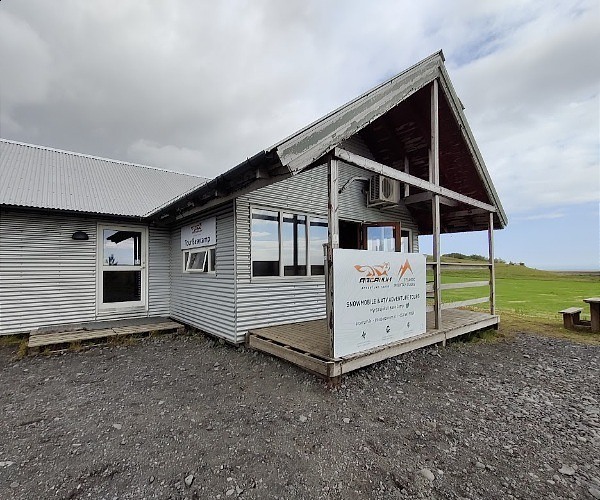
{"x": 80, "y": 235}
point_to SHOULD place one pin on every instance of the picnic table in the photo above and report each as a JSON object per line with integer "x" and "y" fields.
{"x": 594, "y": 303}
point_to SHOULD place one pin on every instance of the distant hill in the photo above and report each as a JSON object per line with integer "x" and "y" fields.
{"x": 510, "y": 269}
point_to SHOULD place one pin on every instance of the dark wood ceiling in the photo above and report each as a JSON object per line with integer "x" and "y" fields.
{"x": 405, "y": 131}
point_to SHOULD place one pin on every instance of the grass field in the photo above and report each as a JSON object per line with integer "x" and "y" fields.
{"x": 528, "y": 297}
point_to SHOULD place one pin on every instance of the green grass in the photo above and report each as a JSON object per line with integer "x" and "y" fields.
{"x": 525, "y": 291}
{"x": 526, "y": 296}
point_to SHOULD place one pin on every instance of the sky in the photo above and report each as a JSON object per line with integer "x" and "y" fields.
{"x": 198, "y": 86}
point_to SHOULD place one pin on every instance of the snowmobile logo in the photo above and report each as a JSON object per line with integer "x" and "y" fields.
{"x": 374, "y": 274}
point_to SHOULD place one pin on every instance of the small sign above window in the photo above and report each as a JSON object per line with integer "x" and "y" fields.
{"x": 200, "y": 234}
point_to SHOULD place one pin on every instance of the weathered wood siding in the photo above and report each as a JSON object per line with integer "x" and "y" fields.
{"x": 205, "y": 300}
{"x": 280, "y": 300}
{"x": 47, "y": 278}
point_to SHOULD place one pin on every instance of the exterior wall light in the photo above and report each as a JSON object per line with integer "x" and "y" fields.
{"x": 80, "y": 235}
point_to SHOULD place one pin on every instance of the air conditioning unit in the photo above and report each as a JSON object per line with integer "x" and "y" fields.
{"x": 383, "y": 191}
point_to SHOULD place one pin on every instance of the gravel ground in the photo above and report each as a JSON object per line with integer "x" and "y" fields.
{"x": 189, "y": 417}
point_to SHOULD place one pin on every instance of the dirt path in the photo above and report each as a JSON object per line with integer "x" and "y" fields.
{"x": 512, "y": 418}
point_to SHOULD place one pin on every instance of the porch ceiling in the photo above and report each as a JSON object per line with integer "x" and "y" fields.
{"x": 405, "y": 131}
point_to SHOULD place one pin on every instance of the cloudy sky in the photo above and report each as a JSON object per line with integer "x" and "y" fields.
{"x": 198, "y": 86}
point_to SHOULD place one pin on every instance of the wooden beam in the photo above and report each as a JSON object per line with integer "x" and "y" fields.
{"x": 458, "y": 265}
{"x": 392, "y": 173}
{"x": 333, "y": 241}
{"x": 434, "y": 178}
{"x": 427, "y": 196}
{"x": 407, "y": 171}
{"x": 464, "y": 303}
{"x": 437, "y": 270}
{"x": 434, "y": 171}
{"x": 492, "y": 268}
{"x": 466, "y": 284}
{"x": 333, "y": 228}
{"x": 466, "y": 213}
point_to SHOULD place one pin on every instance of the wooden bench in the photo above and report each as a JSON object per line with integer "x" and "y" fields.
{"x": 594, "y": 303}
{"x": 571, "y": 317}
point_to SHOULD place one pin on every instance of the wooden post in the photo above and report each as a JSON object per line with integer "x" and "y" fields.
{"x": 492, "y": 268}
{"x": 437, "y": 268}
{"x": 333, "y": 226}
{"x": 407, "y": 170}
{"x": 435, "y": 135}
{"x": 333, "y": 241}
{"x": 434, "y": 177}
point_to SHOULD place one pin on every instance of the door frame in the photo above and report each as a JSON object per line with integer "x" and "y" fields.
{"x": 141, "y": 304}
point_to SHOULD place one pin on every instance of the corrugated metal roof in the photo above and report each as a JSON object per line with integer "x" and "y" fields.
{"x": 40, "y": 177}
{"x": 313, "y": 141}
{"x": 302, "y": 148}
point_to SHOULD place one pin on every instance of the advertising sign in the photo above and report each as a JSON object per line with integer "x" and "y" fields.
{"x": 379, "y": 298}
{"x": 199, "y": 234}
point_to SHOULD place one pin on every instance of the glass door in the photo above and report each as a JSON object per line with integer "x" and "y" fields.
{"x": 122, "y": 267}
{"x": 382, "y": 237}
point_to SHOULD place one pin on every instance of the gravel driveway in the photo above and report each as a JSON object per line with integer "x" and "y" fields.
{"x": 188, "y": 417}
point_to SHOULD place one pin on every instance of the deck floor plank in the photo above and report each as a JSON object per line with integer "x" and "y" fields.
{"x": 43, "y": 339}
{"x": 312, "y": 338}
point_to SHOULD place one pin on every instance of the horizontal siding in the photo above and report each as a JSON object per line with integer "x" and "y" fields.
{"x": 206, "y": 301}
{"x": 286, "y": 300}
{"x": 47, "y": 278}
{"x": 159, "y": 272}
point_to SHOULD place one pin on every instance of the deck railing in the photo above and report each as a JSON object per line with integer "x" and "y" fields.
{"x": 466, "y": 284}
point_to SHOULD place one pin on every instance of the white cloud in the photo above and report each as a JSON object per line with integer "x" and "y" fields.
{"x": 171, "y": 157}
{"x": 543, "y": 216}
{"x": 200, "y": 86}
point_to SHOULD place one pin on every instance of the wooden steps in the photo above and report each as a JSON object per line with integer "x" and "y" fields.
{"x": 37, "y": 339}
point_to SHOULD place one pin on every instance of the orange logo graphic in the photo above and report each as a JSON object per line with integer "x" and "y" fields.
{"x": 374, "y": 274}
{"x": 405, "y": 267}
{"x": 374, "y": 271}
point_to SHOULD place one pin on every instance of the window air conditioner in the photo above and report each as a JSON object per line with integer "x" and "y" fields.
{"x": 383, "y": 191}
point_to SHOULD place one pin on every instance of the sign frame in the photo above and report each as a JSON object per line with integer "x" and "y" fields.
{"x": 200, "y": 234}
{"x": 379, "y": 298}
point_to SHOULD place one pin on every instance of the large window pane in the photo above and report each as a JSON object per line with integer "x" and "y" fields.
{"x": 381, "y": 238}
{"x": 198, "y": 261}
{"x": 318, "y": 237}
{"x": 122, "y": 286}
{"x": 265, "y": 243}
{"x": 293, "y": 235}
{"x": 122, "y": 248}
{"x": 405, "y": 242}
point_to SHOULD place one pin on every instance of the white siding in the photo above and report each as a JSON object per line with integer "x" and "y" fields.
{"x": 47, "y": 278}
{"x": 204, "y": 300}
{"x": 265, "y": 302}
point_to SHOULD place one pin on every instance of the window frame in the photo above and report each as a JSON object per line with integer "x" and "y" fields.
{"x": 307, "y": 240}
{"x": 410, "y": 240}
{"x": 209, "y": 251}
{"x": 107, "y": 307}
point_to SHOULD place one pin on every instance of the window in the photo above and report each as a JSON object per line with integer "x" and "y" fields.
{"x": 202, "y": 260}
{"x": 287, "y": 244}
{"x": 318, "y": 237}
{"x": 381, "y": 238}
{"x": 122, "y": 271}
{"x": 405, "y": 241}
{"x": 293, "y": 245}
{"x": 265, "y": 243}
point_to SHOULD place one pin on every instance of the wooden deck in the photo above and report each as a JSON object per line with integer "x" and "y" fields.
{"x": 306, "y": 344}
{"x": 96, "y": 330}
